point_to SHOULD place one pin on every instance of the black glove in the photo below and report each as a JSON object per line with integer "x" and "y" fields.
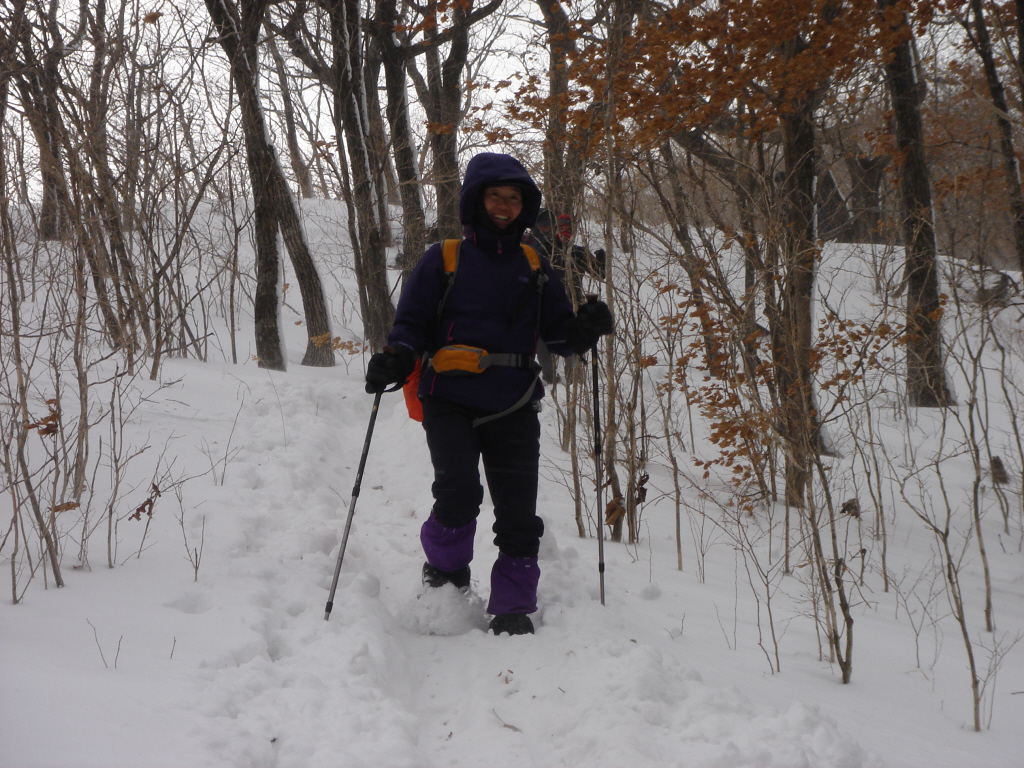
{"x": 392, "y": 365}
{"x": 592, "y": 321}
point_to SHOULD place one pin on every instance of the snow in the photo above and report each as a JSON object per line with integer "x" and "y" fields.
{"x": 154, "y": 664}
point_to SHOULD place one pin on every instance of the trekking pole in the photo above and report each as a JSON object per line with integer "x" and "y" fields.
{"x": 591, "y": 298}
{"x": 352, "y": 504}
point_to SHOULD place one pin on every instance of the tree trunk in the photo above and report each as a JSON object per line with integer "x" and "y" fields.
{"x": 926, "y": 376}
{"x": 22, "y": 476}
{"x": 381, "y": 173}
{"x": 441, "y": 96}
{"x": 679, "y": 220}
{"x": 1019, "y": 6}
{"x": 791, "y": 331}
{"x": 345, "y": 78}
{"x": 352, "y": 121}
{"x": 414, "y": 233}
{"x": 442, "y": 99}
{"x": 274, "y": 207}
{"x": 444, "y": 84}
{"x": 50, "y": 223}
{"x": 237, "y": 36}
{"x": 39, "y": 99}
{"x": 983, "y": 45}
{"x": 131, "y": 302}
{"x": 866, "y": 176}
{"x": 299, "y": 166}
{"x": 314, "y": 304}
{"x": 563, "y": 158}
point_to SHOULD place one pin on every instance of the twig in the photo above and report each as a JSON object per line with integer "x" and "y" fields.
{"x": 95, "y": 635}
{"x": 195, "y": 554}
{"x": 506, "y": 725}
{"x": 229, "y": 454}
{"x": 280, "y": 408}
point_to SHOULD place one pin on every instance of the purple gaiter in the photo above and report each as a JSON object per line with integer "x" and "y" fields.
{"x": 513, "y": 585}
{"x": 448, "y": 549}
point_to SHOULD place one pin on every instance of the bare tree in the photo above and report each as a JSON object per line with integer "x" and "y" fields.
{"x": 299, "y": 167}
{"x": 926, "y": 376}
{"x": 440, "y": 93}
{"x": 978, "y": 34}
{"x": 238, "y": 26}
{"x": 338, "y": 62}
{"x": 564, "y": 156}
{"x": 392, "y": 46}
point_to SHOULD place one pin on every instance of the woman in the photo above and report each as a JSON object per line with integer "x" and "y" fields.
{"x": 497, "y": 304}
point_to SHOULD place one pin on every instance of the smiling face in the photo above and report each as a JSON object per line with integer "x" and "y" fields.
{"x": 503, "y": 204}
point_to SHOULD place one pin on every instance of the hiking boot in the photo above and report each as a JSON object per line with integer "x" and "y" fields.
{"x": 511, "y": 624}
{"x": 435, "y": 577}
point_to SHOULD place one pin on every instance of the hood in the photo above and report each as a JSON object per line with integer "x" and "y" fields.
{"x": 490, "y": 168}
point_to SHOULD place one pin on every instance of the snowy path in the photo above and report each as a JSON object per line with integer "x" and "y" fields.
{"x": 257, "y": 678}
{"x": 373, "y": 685}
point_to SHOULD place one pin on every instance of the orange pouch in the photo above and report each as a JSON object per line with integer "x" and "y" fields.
{"x": 409, "y": 389}
{"x": 458, "y": 360}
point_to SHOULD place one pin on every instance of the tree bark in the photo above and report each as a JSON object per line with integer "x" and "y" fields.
{"x": 129, "y": 294}
{"x": 314, "y": 304}
{"x": 381, "y": 173}
{"x": 1019, "y": 6}
{"x": 38, "y": 87}
{"x": 866, "y": 176}
{"x": 345, "y": 78}
{"x": 50, "y": 221}
{"x": 926, "y": 376}
{"x": 563, "y": 157}
{"x": 444, "y": 105}
{"x": 791, "y": 330}
{"x": 237, "y": 34}
{"x": 982, "y": 43}
{"x": 299, "y": 166}
{"x": 393, "y": 57}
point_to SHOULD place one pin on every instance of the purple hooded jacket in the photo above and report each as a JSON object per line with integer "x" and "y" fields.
{"x": 493, "y": 303}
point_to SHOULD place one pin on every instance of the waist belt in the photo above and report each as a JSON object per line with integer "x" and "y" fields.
{"x": 459, "y": 359}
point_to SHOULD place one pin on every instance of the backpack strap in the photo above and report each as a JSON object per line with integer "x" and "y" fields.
{"x": 531, "y": 256}
{"x": 538, "y": 278}
{"x": 450, "y": 250}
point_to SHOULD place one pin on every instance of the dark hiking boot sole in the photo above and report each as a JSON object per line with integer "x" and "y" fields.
{"x": 435, "y": 577}
{"x": 511, "y": 624}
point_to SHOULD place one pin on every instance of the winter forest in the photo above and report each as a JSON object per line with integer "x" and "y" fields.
{"x": 811, "y": 411}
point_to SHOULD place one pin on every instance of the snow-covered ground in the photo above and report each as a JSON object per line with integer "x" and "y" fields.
{"x": 154, "y": 663}
{"x": 239, "y": 668}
